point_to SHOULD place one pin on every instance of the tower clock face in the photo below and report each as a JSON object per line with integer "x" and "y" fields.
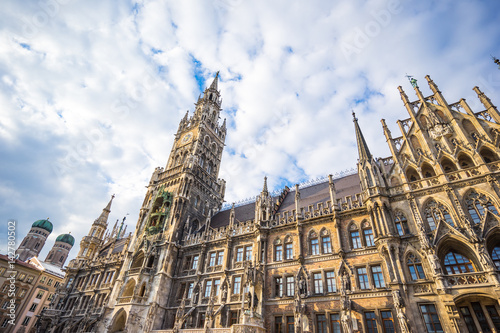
{"x": 186, "y": 138}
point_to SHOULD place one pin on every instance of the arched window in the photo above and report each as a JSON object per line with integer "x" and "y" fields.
{"x": 138, "y": 260}
{"x": 314, "y": 243}
{"x": 428, "y": 171}
{"x": 415, "y": 267}
{"x": 369, "y": 177}
{"x": 456, "y": 263}
{"x": 469, "y": 128}
{"x": 487, "y": 155}
{"x": 129, "y": 288}
{"x": 142, "y": 291}
{"x": 412, "y": 174}
{"x": 435, "y": 212}
{"x": 495, "y": 255}
{"x": 401, "y": 224}
{"x": 448, "y": 165}
{"x": 465, "y": 161}
{"x": 209, "y": 167}
{"x": 202, "y": 161}
{"x": 355, "y": 237}
{"x": 477, "y": 205}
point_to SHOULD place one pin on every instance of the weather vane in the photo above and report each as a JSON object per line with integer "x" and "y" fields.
{"x": 412, "y": 80}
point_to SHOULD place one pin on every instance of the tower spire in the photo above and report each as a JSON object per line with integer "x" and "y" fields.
{"x": 364, "y": 152}
{"x": 215, "y": 82}
{"x": 264, "y": 189}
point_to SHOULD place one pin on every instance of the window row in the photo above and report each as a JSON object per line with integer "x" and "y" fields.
{"x": 373, "y": 321}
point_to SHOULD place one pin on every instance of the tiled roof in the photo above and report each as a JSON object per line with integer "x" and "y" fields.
{"x": 312, "y": 195}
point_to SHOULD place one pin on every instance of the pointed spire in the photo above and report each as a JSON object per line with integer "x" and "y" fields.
{"x": 264, "y": 189}
{"x": 364, "y": 152}
{"x": 103, "y": 218}
{"x": 215, "y": 81}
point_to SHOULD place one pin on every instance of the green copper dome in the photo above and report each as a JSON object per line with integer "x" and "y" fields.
{"x": 66, "y": 238}
{"x": 44, "y": 224}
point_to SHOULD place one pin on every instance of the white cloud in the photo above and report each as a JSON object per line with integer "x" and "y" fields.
{"x": 92, "y": 92}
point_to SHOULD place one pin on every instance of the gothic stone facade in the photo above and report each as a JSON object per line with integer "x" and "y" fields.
{"x": 408, "y": 243}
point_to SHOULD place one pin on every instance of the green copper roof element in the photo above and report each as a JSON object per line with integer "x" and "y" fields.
{"x": 66, "y": 238}
{"x": 43, "y": 224}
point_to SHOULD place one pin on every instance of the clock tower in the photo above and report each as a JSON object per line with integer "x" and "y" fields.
{"x": 187, "y": 192}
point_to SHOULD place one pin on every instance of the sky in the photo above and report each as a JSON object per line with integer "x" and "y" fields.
{"x": 92, "y": 92}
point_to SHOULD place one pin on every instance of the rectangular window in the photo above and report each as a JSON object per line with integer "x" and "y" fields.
{"x": 49, "y": 283}
{"x": 201, "y": 319}
{"x": 40, "y": 294}
{"x": 318, "y": 283}
{"x": 378, "y": 277}
{"x": 314, "y": 246}
{"x": 278, "y": 253}
{"x": 363, "y": 278}
{"x": 216, "y": 287}
{"x": 331, "y": 286}
{"x": 495, "y": 318}
{"x": 290, "y": 324}
{"x": 278, "y": 287}
{"x": 220, "y": 258}
{"x": 26, "y": 321}
{"x": 212, "y": 259}
{"x": 237, "y": 285}
{"x": 33, "y": 307}
{"x": 355, "y": 240}
{"x": 481, "y": 317}
{"x": 51, "y": 297}
{"x": 289, "y": 251}
{"x": 5, "y": 304}
{"x": 187, "y": 263}
{"x": 182, "y": 290}
{"x": 22, "y": 292}
{"x": 5, "y": 287}
{"x": 233, "y": 315}
{"x": 278, "y": 324}
{"x": 416, "y": 271}
{"x": 469, "y": 321}
{"x": 335, "y": 323}
{"x": 57, "y": 284}
{"x": 239, "y": 254}
{"x": 248, "y": 252}
{"x": 387, "y": 322}
{"x": 371, "y": 323}
{"x": 431, "y": 318}
{"x": 368, "y": 235}
{"x": 321, "y": 323}
{"x": 195, "y": 262}
{"x": 208, "y": 288}
{"x": 30, "y": 279}
{"x": 190, "y": 290}
{"x": 5, "y": 322}
{"x": 327, "y": 244}
{"x": 2, "y": 270}
{"x": 290, "y": 285}
{"x": 21, "y": 277}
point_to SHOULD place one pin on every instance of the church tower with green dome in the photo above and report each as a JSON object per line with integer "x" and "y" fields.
{"x": 59, "y": 252}
{"x": 34, "y": 241}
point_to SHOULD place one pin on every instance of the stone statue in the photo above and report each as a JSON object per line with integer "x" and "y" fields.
{"x": 399, "y": 305}
{"x": 484, "y": 257}
{"x": 302, "y": 286}
{"x": 434, "y": 261}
